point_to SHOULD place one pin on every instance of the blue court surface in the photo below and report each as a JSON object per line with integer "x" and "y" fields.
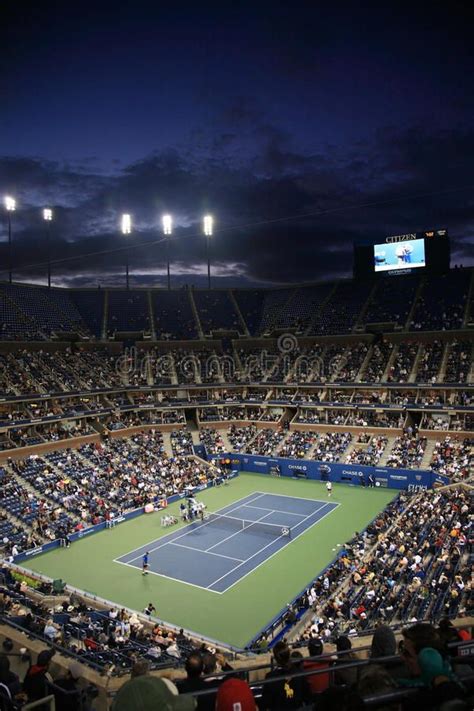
{"x": 216, "y": 553}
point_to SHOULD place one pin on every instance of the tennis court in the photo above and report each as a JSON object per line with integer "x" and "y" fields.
{"x": 232, "y": 542}
{"x": 286, "y": 567}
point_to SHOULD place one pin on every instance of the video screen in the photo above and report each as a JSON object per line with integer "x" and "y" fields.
{"x": 399, "y": 255}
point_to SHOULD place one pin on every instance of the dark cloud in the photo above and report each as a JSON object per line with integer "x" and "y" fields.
{"x": 248, "y": 173}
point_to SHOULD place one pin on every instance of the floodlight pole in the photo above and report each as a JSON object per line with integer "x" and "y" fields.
{"x": 48, "y": 217}
{"x": 167, "y": 222}
{"x": 10, "y": 276}
{"x": 208, "y": 263}
{"x": 48, "y": 229}
{"x": 208, "y": 225}
{"x": 127, "y": 230}
{"x": 10, "y": 206}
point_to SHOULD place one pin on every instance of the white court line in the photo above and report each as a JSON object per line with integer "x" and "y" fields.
{"x": 257, "y": 552}
{"x": 334, "y": 505}
{"x": 264, "y": 508}
{"x": 288, "y": 496}
{"x": 201, "y": 550}
{"x": 237, "y": 532}
{"x": 219, "y": 592}
{"x": 187, "y": 529}
{"x": 168, "y": 577}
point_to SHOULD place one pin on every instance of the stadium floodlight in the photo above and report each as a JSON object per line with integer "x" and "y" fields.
{"x": 10, "y": 206}
{"x": 167, "y": 222}
{"x": 208, "y": 224}
{"x": 126, "y": 224}
{"x": 48, "y": 218}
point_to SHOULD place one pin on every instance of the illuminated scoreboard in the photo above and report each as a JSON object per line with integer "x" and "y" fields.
{"x": 403, "y": 254}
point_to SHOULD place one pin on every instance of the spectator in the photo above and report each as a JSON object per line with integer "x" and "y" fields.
{"x": 429, "y": 670}
{"x": 383, "y": 643}
{"x": 317, "y": 682}
{"x": 376, "y": 680}
{"x": 37, "y": 675}
{"x": 140, "y": 668}
{"x": 149, "y": 693}
{"x": 7, "y": 678}
{"x": 194, "y": 668}
{"x": 235, "y": 694}
{"x": 64, "y": 688}
{"x": 344, "y": 677}
{"x": 289, "y": 692}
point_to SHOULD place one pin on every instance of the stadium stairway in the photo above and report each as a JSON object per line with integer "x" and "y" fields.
{"x": 364, "y": 365}
{"x": 196, "y": 315}
{"x": 413, "y": 306}
{"x": 416, "y": 362}
{"x": 225, "y": 439}
{"x": 105, "y": 317}
{"x": 469, "y": 312}
{"x": 167, "y": 443}
{"x": 152, "y": 315}
{"x": 390, "y": 362}
{"x": 428, "y": 453}
{"x": 237, "y": 310}
{"x": 444, "y": 361}
{"x": 387, "y": 451}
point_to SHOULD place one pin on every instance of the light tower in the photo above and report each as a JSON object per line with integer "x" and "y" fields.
{"x": 48, "y": 218}
{"x": 167, "y": 222}
{"x": 10, "y": 206}
{"x": 208, "y": 224}
{"x": 126, "y": 230}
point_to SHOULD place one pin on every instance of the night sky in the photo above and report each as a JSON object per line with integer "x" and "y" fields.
{"x": 300, "y": 126}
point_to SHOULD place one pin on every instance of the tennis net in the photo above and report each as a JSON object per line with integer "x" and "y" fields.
{"x": 233, "y": 523}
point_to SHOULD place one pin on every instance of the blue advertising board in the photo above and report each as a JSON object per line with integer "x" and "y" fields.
{"x": 353, "y": 474}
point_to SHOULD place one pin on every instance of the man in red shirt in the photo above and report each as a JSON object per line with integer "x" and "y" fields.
{"x": 317, "y": 682}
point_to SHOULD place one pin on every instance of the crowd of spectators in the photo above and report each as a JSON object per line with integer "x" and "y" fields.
{"x": 309, "y": 417}
{"x": 410, "y": 564}
{"x": 336, "y": 417}
{"x": 110, "y": 640}
{"x": 436, "y": 422}
{"x": 265, "y": 442}
{"x": 70, "y": 490}
{"x": 407, "y": 452}
{"x": 371, "y": 453}
{"x": 181, "y": 443}
{"x": 212, "y": 440}
{"x": 297, "y": 445}
{"x": 454, "y": 458}
{"x": 371, "y": 418}
{"x": 331, "y": 446}
{"x": 430, "y": 363}
{"x": 402, "y": 365}
{"x": 458, "y": 362}
{"x": 351, "y": 362}
{"x": 375, "y": 368}
{"x": 241, "y": 437}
